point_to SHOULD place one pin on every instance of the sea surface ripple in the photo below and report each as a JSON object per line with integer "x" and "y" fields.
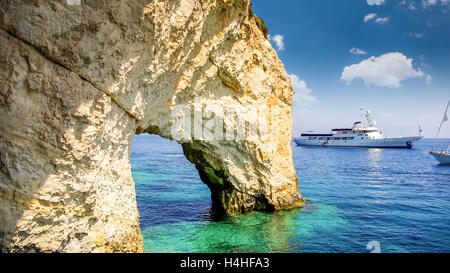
{"x": 399, "y": 198}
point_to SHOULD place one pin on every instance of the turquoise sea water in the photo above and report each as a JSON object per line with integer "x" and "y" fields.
{"x": 397, "y": 197}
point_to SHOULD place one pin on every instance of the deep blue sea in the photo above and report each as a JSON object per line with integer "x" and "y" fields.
{"x": 397, "y": 198}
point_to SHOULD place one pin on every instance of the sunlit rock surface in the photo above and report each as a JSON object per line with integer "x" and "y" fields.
{"x": 78, "y": 81}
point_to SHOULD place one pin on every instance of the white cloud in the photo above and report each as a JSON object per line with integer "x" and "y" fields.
{"x": 410, "y": 4}
{"x": 378, "y": 20}
{"x": 369, "y": 17}
{"x": 278, "y": 39}
{"x": 375, "y": 2}
{"x": 302, "y": 92}
{"x": 387, "y": 70}
{"x": 415, "y": 35}
{"x": 357, "y": 51}
{"x": 427, "y": 3}
{"x": 381, "y": 20}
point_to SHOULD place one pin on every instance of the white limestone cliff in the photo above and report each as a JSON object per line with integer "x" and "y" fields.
{"x": 78, "y": 81}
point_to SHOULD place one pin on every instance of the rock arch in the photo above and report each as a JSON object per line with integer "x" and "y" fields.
{"x": 78, "y": 81}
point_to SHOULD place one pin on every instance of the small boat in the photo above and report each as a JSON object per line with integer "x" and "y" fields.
{"x": 443, "y": 156}
{"x": 357, "y": 136}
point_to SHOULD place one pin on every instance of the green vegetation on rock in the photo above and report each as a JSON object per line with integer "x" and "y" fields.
{"x": 262, "y": 26}
{"x": 212, "y": 177}
{"x": 260, "y": 22}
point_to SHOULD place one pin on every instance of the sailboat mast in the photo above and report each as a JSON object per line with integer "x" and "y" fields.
{"x": 442, "y": 122}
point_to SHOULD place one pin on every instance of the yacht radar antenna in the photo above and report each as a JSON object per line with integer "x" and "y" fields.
{"x": 366, "y": 114}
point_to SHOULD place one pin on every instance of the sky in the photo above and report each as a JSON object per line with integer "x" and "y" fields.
{"x": 390, "y": 56}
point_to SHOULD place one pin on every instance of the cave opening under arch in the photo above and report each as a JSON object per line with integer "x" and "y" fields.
{"x": 168, "y": 186}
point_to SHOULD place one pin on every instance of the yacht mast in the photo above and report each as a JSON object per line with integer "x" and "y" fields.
{"x": 444, "y": 119}
{"x": 366, "y": 114}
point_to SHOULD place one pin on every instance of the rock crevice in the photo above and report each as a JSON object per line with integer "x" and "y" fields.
{"x": 65, "y": 67}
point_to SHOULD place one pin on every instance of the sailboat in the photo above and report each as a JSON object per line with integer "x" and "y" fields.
{"x": 444, "y": 156}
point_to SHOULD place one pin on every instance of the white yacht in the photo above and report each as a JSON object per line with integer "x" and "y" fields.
{"x": 442, "y": 157}
{"x": 357, "y": 136}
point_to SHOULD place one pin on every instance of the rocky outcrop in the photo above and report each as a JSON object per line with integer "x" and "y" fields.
{"x": 78, "y": 81}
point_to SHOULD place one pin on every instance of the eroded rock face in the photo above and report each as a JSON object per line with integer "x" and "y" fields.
{"x": 78, "y": 81}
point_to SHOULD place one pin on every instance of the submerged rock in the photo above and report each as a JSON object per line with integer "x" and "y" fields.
{"x": 79, "y": 78}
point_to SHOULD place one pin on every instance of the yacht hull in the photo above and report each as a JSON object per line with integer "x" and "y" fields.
{"x": 398, "y": 142}
{"x": 442, "y": 158}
